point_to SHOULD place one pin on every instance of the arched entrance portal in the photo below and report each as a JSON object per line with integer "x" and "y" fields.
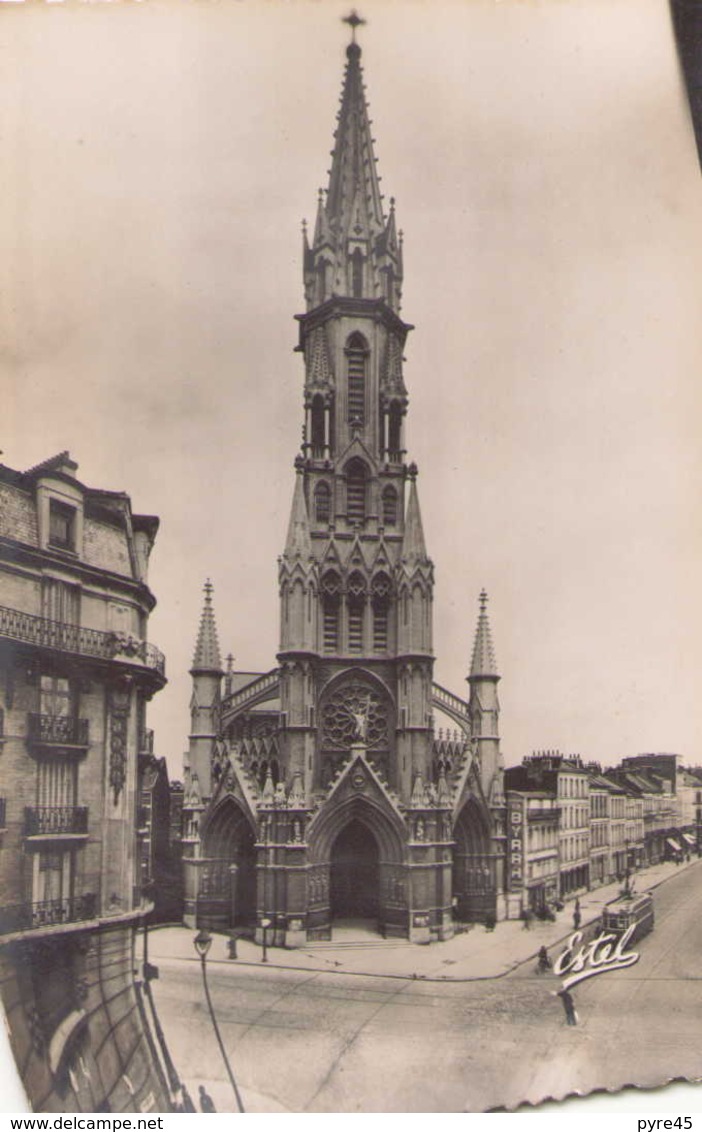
{"x": 227, "y": 898}
{"x": 474, "y": 883}
{"x": 354, "y": 876}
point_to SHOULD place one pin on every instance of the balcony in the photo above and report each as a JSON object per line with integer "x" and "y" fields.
{"x": 543, "y": 815}
{"x": 47, "y": 913}
{"x": 58, "y": 636}
{"x": 47, "y": 732}
{"x": 55, "y": 821}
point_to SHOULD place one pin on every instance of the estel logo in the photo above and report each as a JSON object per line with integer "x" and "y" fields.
{"x": 601, "y": 955}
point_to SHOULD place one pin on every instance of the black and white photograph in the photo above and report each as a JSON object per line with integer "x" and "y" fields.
{"x": 350, "y": 554}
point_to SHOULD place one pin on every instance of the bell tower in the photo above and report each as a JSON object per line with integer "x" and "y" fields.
{"x": 355, "y": 578}
{"x": 324, "y": 793}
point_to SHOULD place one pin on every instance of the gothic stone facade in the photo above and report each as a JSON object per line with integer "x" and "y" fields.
{"x": 322, "y": 789}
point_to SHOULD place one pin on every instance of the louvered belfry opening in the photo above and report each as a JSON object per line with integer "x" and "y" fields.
{"x": 357, "y": 605}
{"x": 322, "y": 503}
{"x": 331, "y": 601}
{"x": 356, "y": 485}
{"x": 356, "y": 354}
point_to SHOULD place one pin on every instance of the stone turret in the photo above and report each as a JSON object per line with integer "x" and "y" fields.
{"x": 483, "y": 704}
{"x": 207, "y": 675}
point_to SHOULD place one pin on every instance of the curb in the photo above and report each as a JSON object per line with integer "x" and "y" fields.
{"x": 411, "y": 978}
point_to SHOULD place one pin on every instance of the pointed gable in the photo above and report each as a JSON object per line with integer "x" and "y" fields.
{"x": 319, "y": 366}
{"x": 358, "y": 780}
{"x": 391, "y": 379}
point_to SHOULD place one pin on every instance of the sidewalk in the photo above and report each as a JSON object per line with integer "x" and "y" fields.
{"x": 356, "y": 950}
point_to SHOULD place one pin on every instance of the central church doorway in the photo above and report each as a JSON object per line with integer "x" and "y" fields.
{"x": 354, "y": 874}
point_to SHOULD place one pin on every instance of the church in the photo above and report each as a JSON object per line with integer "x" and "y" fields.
{"x": 345, "y": 783}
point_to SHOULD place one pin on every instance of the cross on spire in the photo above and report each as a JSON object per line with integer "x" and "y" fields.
{"x": 354, "y": 21}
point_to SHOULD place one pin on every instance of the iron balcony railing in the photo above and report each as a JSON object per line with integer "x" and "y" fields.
{"x": 47, "y": 913}
{"x": 25, "y": 627}
{"x": 49, "y": 821}
{"x": 57, "y": 730}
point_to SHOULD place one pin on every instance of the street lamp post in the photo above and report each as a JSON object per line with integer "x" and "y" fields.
{"x": 265, "y": 924}
{"x": 203, "y": 943}
{"x": 150, "y": 972}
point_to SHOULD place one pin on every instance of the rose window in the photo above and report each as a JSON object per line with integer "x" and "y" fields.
{"x": 355, "y": 713}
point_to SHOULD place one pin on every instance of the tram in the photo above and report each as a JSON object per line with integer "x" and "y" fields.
{"x": 621, "y": 914}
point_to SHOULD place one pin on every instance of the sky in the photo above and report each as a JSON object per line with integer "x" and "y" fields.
{"x": 157, "y": 160}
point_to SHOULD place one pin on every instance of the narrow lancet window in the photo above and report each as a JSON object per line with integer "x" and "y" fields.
{"x": 356, "y": 354}
{"x": 356, "y": 490}
{"x": 322, "y": 503}
{"x": 389, "y": 507}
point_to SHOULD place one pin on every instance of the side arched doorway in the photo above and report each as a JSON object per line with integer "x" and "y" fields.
{"x": 354, "y": 874}
{"x": 474, "y": 881}
{"x": 227, "y": 897}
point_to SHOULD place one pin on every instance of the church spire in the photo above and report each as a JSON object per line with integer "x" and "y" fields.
{"x": 354, "y": 204}
{"x": 207, "y": 658}
{"x": 413, "y": 544}
{"x": 483, "y": 663}
{"x": 298, "y": 543}
{"x": 355, "y": 251}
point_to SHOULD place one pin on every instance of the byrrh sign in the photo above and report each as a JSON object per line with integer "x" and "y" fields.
{"x": 515, "y": 834}
{"x": 605, "y": 953}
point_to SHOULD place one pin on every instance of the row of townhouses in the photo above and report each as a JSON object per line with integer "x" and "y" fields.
{"x": 575, "y": 826}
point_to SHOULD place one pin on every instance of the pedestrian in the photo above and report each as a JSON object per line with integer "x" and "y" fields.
{"x": 206, "y": 1102}
{"x": 569, "y": 1007}
{"x": 544, "y": 963}
{"x": 576, "y": 917}
{"x": 186, "y": 1100}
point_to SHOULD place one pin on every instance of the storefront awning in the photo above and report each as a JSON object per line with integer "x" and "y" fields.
{"x": 689, "y": 838}
{"x": 673, "y": 844}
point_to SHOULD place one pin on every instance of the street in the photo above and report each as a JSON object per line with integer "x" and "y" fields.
{"x": 308, "y": 1041}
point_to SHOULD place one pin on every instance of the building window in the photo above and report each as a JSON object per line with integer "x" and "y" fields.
{"x": 57, "y": 783}
{"x": 380, "y": 591}
{"x": 380, "y": 628}
{"x": 356, "y": 353}
{"x": 331, "y": 600}
{"x": 60, "y": 601}
{"x": 55, "y": 696}
{"x": 356, "y": 483}
{"x": 62, "y": 525}
{"x": 356, "y": 605}
{"x": 357, "y": 274}
{"x": 389, "y": 506}
{"x": 395, "y": 430}
{"x": 321, "y": 281}
{"x": 317, "y": 427}
{"x": 322, "y": 503}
